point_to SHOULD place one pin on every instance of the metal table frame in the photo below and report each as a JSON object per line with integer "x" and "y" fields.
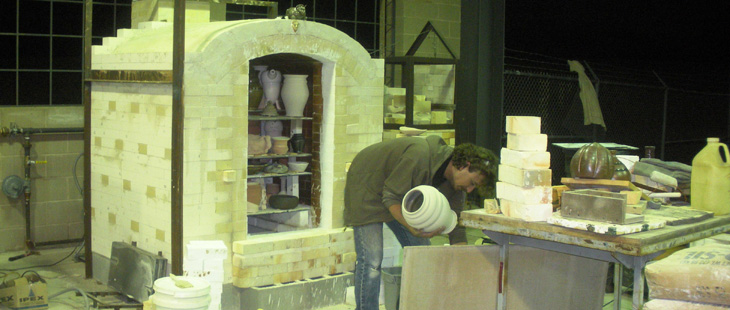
{"x": 631, "y": 250}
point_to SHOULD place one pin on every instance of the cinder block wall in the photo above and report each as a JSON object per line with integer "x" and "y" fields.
{"x": 56, "y": 204}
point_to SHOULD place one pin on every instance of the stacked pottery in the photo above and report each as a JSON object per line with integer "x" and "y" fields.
{"x": 255, "y": 90}
{"x": 272, "y": 189}
{"x": 297, "y": 143}
{"x": 273, "y": 128}
{"x": 281, "y": 145}
{"x": 295, "y": 94}
{"x": 258, "y": 145}
{"x": 271, "y": 81}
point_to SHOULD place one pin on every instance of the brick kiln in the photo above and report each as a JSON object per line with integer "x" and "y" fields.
{"x": 131, "y": 151}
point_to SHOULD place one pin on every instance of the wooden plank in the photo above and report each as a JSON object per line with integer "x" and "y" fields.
{"x": 449, "y": 277}
{"x": 679, "y": 215}
{"x": 635, "y": 244}
{"x": 613, "y": 185}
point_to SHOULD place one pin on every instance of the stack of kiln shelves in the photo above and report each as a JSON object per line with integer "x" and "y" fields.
{"x": 524, "y": 188}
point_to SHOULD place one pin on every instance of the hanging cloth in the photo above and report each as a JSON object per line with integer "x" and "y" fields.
{"x": 591, "y": 109}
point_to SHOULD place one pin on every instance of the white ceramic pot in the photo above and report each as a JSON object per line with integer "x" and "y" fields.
{"x": 295, "y": 94}
{"x": 425, "y": 208}
{"x": 271, "y": 82}
{"x": 273, "y": 128}
{"x": 297, "y": 166}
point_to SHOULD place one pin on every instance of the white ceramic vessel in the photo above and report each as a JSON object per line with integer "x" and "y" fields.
{"x": 273, "y": 128}
{"x": 295, "y": 93}
{"x": 271, "y": 82}
{"x": 298, "y": 166}
{"x": 425, "y": 208}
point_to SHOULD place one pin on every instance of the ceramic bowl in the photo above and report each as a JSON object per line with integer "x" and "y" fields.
{"x": 298, "y": 166}
{"x": 254, "y": 169}
{"x": 283, "y": 202}
{"x": 276, "y": 168}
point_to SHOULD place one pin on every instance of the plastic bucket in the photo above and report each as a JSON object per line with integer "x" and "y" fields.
{"x": 391, "y": 285}
{"x": 710, "y": 180}
{"x": 168, "y": 296}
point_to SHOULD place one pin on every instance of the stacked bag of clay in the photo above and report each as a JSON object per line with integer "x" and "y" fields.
{"x": 696, "y": 278}
{"x": 524, "y": 188}
{"x": 204, "y": 260}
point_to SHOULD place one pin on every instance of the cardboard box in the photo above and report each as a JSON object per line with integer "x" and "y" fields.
{"x": 21, "y": 294}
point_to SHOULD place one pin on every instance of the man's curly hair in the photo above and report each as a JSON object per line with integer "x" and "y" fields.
{"x": 480, "y": 159}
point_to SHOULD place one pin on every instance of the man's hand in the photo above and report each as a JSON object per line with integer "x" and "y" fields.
{"x": 395, "y": 210}
{"x": 423, "y": 234}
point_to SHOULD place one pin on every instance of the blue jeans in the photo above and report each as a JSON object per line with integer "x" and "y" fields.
{"x": 369, "y": 249}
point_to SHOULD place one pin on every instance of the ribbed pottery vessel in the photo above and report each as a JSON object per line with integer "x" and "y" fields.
{"x": 427, "y": 209}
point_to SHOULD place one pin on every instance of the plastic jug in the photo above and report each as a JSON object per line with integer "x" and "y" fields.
{"x": 710, "y": 187}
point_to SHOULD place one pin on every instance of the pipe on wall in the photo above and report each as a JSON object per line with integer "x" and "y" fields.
{"x": 14, "y": 130}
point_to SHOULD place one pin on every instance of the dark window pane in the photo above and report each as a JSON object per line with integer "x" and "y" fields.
{"x": 97, "y": 41}
{"x": 366, "y": 35}
{"x": 346, "y": 9}
{"x": 68, "y": 18}
{"x": 347, "y": 27}
{"x": 231, "y": 7}
{"x": 67, "y": 53}
{"x": 34, "y": 53}
{"x": 283, "y": 5}
{"x": 7, "y": 88}
{"x": 33, "y": 88}
{"x": 366, "y": 11}
{"x": 248, "y": 15}
{"x": 124, "y": 17}
{"x": 255, "y": 9}
{"x": 103, "y": 21}
{"x": 234, "y": 16}
{"x": 327, "y": 22}
{"x": 67, "y": 88}
{"x": 125, "y": 2}
{"x": 103, "y": 1}
{"x": 34, "y": 16}
{"x": 325, "y": 9}
{"x": 7, "y": 52}
{"x": 7, "y": 16}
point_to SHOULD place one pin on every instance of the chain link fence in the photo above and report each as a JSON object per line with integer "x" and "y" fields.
{"x": 675, "y": 113}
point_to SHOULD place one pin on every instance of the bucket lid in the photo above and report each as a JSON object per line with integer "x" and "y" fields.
{"x": 167, "y": 286}
{"x": 713, "y": 140}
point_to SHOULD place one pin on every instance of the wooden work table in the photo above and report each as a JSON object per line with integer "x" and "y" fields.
{"x": 631, "y": 250}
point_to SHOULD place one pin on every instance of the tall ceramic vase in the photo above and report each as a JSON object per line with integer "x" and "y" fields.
{"x": 271, "y": 81}
{"x": 295, "y": 94}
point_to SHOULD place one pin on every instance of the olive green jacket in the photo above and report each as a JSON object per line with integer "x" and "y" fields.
{"x": 381, "y": 174}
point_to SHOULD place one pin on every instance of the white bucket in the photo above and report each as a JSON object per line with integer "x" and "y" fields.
{"x": 170, "y": 297}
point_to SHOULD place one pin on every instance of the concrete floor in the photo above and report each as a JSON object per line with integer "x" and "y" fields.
{"x": 62, "y": 274}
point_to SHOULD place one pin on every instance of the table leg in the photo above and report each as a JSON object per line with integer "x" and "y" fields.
{"x": 618, "y": 277}
{"x": 637, "y": 263}
{"x": 503, "y": 259}
{"x": 638, "y": 298}
{"x": 503, "y": 240}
